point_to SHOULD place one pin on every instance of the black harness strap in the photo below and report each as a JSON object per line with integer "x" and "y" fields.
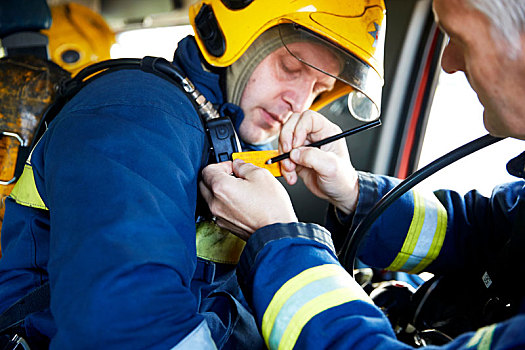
{"x": 35, "y": 301}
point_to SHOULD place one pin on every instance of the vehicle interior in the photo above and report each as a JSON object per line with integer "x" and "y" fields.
{"x": 416, "y": 92}
{"x": 412, "y": 76}
{"x": 424, "y": 112}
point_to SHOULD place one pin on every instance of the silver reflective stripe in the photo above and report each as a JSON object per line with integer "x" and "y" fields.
{"x": 304, "y": 296}
{"x": 425, "y": 236}
{"x": 199, "y": 338}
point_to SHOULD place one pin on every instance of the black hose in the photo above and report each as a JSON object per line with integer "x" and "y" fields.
{"x": 353, "y": 240}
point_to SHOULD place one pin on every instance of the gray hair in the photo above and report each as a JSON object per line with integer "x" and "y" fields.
{"x": 507, "y": 17}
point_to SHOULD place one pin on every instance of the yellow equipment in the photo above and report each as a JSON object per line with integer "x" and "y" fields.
{"x": 78, "y": 37}
{"x": 226, "y": 28}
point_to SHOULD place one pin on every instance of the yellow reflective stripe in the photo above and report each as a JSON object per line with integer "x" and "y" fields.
{"x": 217, "y": 244}
{"x": 412, "y": 235}
{"x": 312, "y": 308}
{"x": 437, "y": 241}
{"x": 306, "y": 295}
{"x": 288, "y": 289}
{"x": 25, "y": 191}
{"x": 482, "y": 339}
{"x": 425, "y": 236}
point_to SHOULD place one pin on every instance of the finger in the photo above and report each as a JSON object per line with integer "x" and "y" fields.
{"x": 242, "y": 169}
{"x": 287, "y": 133}
{"x": 313, "y": 127}
{"x": 212, "y": 171}
{"x": 303, "y": 128}
{"x": 323, "y": 163}
{"x": 290, "y": 177}
{"x": 288, "y": 171}
{"x": 287, "y": 165}
{"x": 205, "y": 191}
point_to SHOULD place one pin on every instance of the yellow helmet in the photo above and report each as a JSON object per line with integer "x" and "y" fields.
{"x": 78, "y": 37}
{"x": 226, "y": 28}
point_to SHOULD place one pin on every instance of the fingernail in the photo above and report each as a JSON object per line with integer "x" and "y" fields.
{"x": 294, "y": 154}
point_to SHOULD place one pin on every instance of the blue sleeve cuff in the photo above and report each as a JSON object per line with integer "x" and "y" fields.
{"x": 275, "y": 232}
{"x": 339, "y": 224}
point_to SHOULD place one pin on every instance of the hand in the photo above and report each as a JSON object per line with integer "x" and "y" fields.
{"x": 327, "y": 171}
{"x": 247, "y": 202}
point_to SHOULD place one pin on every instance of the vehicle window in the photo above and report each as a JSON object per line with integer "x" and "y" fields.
{"x": 160, "y": 42}
{"x": 456, "y": 118}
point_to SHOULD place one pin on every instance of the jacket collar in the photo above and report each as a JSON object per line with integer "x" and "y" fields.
{"x": 188, "y": 58}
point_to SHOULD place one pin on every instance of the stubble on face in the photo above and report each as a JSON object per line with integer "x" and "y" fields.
{"x": 261, "y": 106}
{"x": 281, "y": 85}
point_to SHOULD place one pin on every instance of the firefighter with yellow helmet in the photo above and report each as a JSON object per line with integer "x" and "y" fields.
{"x": 107, "y": 200}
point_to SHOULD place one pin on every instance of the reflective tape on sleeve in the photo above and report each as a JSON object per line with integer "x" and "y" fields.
{"x": 25, "y": 191}
{"x": 200, "y": 338}
{"x": 306, "y": 295}
{"x": 482, "y": 339}
{"x": 425, "y": 236}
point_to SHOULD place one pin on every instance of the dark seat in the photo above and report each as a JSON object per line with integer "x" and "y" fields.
{"x": 23, "y": 15}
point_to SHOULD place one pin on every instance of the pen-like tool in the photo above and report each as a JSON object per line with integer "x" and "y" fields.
{"x": 322, "y": 142}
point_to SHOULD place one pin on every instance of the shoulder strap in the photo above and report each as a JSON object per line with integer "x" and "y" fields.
{"x": 35, "y": 301}
{"x": 222, "y": 137}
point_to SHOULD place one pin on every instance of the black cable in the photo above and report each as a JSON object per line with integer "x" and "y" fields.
{"x": 353, "y": 240}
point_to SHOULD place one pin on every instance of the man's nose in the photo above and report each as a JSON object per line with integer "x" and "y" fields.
{"x": 300, "y": 95}
{"x": 452, "y": 60}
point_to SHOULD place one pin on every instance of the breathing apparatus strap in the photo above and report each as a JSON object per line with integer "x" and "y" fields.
{"x": 222, "y": 137}
{"x": 35, "y": 301}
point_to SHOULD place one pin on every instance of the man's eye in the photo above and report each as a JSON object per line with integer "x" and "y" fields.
{"x": 286, "y": 68}
{"x": 290, "y": 67}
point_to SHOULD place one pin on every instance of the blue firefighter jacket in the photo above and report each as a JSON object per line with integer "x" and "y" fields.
{"x": 304, "y": 298}
{"x": 114, "y": 231}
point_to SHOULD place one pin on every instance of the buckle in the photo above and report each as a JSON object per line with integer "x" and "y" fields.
{"x": 22, "y": 143}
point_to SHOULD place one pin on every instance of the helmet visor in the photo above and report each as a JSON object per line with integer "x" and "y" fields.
{"x": 364, "y": 102}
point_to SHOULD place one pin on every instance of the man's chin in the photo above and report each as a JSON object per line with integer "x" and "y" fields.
{"x": 494, "y": 126}
{"x": 264, "y": 141}
{"x": 256, "y": 139}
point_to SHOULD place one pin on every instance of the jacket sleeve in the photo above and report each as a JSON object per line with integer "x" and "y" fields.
{"x": 301, "y": 295}
{"x": 436, "y": 232}
{"x": 118, "y": 171}
{"x": 304, "y": 299}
